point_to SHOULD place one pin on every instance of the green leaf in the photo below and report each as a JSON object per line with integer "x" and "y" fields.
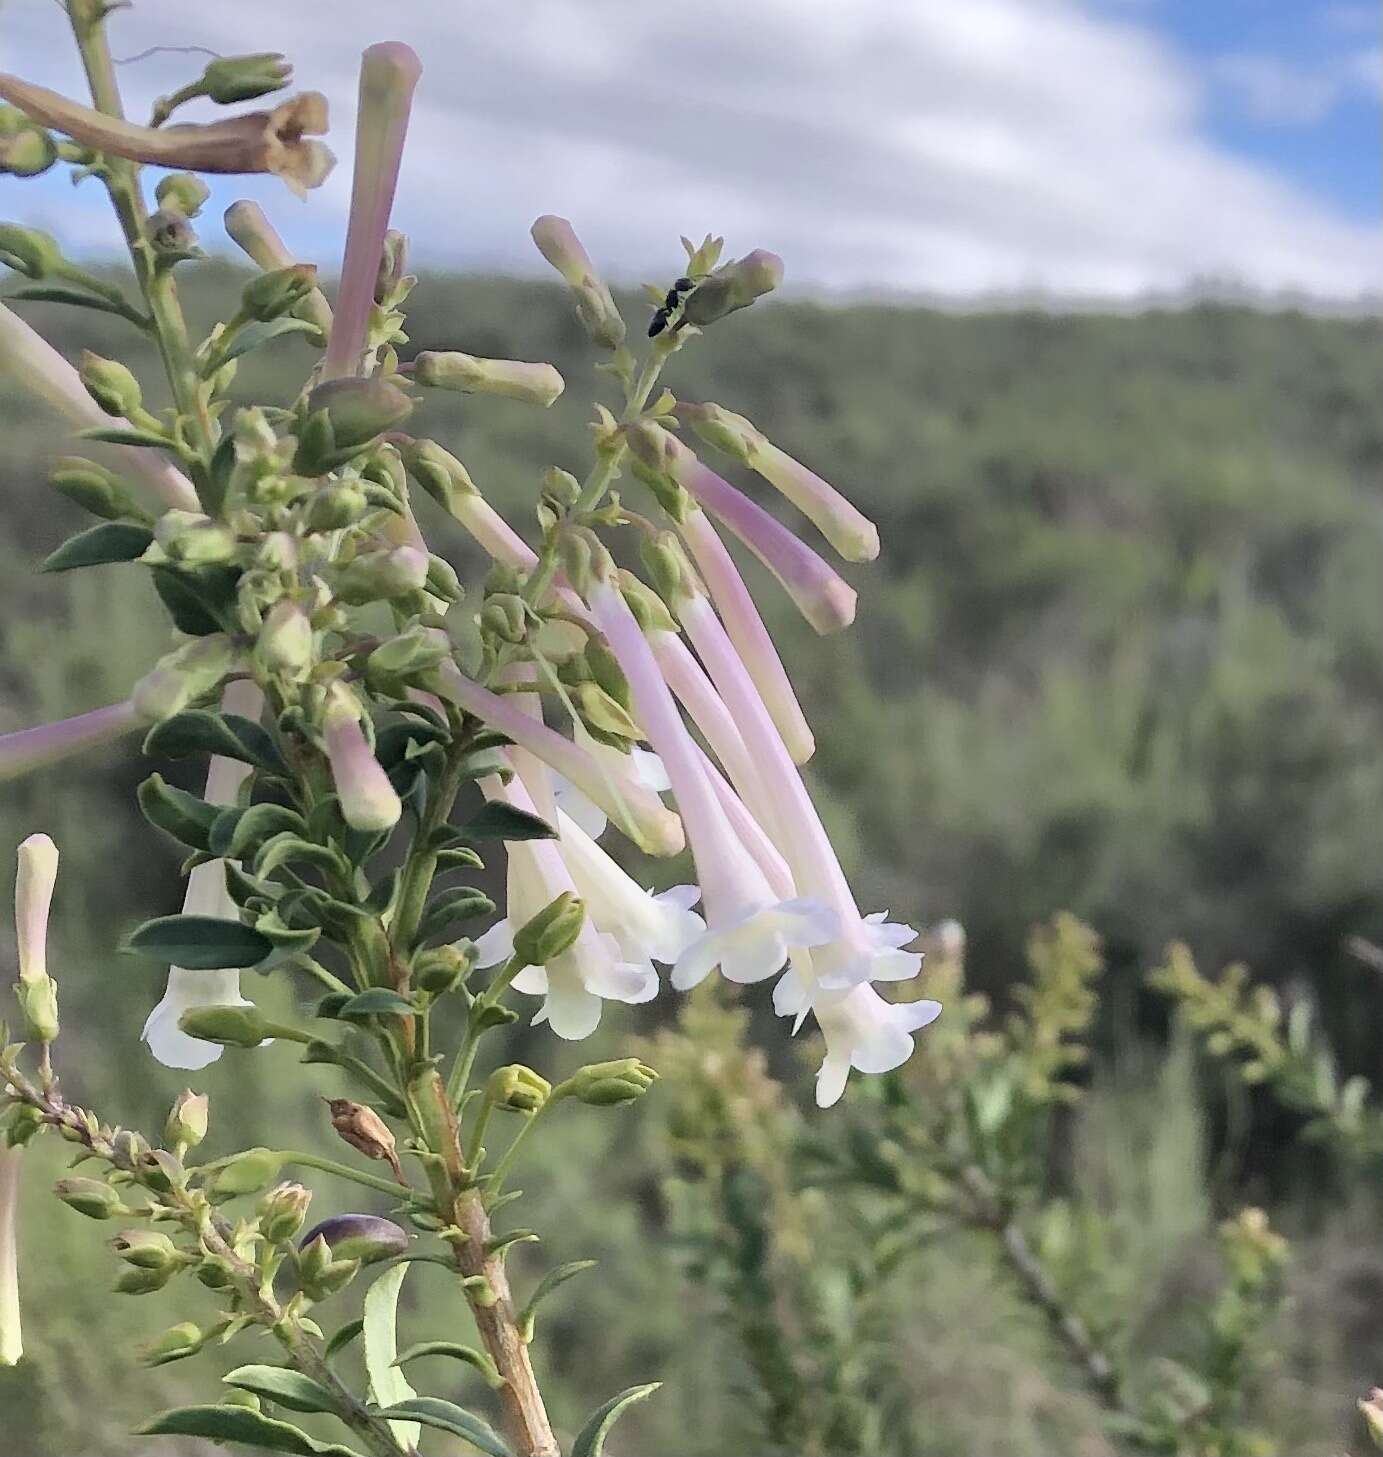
{"x": 286, "y": 847}
{"x": 446, "y": 1416}
{"x": 342, "y": 1338}
{"x": 126, "y": 435}
{"x": 199, "y": 731}
{"x": 376, "y": 1002}
{"x": 499, "y": 821}
{"x": 186, "y": 817}
{"x": 392, "y": 744}
{"x": 240, "y": 1424}
{"x": 388, "y": 1387}
{"x": 44, "y": 293}
{"x": 200, "y": 943}
{"x": 457, "y": 1352}
{"x": 251, "y": 827}
{"x": 590, "y": 1440}
{"x": 544, "y": 1288}
{"x": 198, "y": 598}
{"x": 461, "y": 858}
{"x": 280, "y": 1384}
{"x": 287, "y": 941}
{"x": 252, "y": 336}
{"x": 110, "y": 541}
{"x": 465, "y": 903}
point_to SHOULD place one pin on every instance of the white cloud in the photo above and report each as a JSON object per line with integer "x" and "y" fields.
{"x": 1278, "y": 91}
{"x": 965, "y": 148}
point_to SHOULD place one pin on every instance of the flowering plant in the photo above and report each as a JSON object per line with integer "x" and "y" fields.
{"x": 369, "y": 724}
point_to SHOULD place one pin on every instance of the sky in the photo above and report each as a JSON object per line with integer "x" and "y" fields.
{"x": 1078, "y": 149}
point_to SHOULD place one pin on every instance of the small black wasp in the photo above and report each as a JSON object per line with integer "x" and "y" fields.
{"x": 676, "y": 297}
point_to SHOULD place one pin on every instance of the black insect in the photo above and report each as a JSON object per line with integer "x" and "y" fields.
{"x": 672, "y": 303}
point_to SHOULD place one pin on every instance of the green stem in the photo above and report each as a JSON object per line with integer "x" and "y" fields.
{"x": 470, "y": 1042}
{"x": 358, "y": 1176}
{"x": 495, "y": 1182}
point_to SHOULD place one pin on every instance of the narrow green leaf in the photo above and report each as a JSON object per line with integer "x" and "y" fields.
{"x": 456, "y": 1352}
{"x": 499, "y": 821}
{"x": 590, "y": 1440}
{"x": 446, "y": 1416}
{"x": 342, "y": 1338}
{"x": 199, "y": 731}
{"x": 462, "y": 904}
{"x": 199, "y": 943}
{"x": 280, "y": 1384}
{"x": 183, "y": 816}
{"x": 110, "y": 541}
{"x": 253, "y": 826}
{"x": 252, "y": 336}
{"x": 126, "y": 435}
{"x": 546, "y": 1286}
{"x": 388, "y": 1387}
{"x": 392, "y": 744}
{"x": 44, "y": 293}
{"x": 376, "y": 1002}
{"x": 198, "y": 598}
{"x": 240, "y": 1424}
{"x": 286, "y": 848}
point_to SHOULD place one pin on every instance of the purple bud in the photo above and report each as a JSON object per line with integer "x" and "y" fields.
{"x": 363, "y": 1237}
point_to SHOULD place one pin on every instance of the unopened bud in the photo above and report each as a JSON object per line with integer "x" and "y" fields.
{"x": 283, "y": 1211}
{"x": 393, "y": 263}
{"x": 442, "y": 580}
{"x": 25, "y": 151}
{"x": 605, "y": 717}
{"x": 185, "y": 674}
{"x": 278, "y": 552}
{"x": 187, "y": 1121}
{"x": 595, "y": 307}
{"x": 136, "y": 1281}
{"x": 414, "y": 651}
{"x": 285, "y": 643}
{"x": 29, "y": 251}
{"x": 551, "y": 932}
{"x": 606, "y": 671}
{"x": 517, "y": 1088}
{"x": 561, "y": 490}
{"x": 175, "y": 1344}
{"x": 247, "y": 1173}
{"x": 735, "y": 286}
{"x": 377, "y": 576}
{"x": 505, "y": 616}
{"x": 585, "y": 558}
{"x": 337, "y": 504}
{"x": 441, "y": 969}
{"x": 182, "y": 192}
{"x": 650, "y": 611}
{"x": 363, "y": 1237}
{"x": 24, "y": 1121}
{"x": 38, "y": 1001}
{"x": 603, "y": 1084}
{"x": 273, "y": 294}
{"x": 110, "y": 384}
{"x": 668, "y": 569}
{"x": 368, "y": 801}
{"x": 229, "y": 1026}
{"x": 147, "y": 1249}
{"x": 90, "y": 1197}
{"x": 536, "y": 384}
{"x": 171, "y": 235}
{"x": 93, "y": 488}
{"x": 193, "y": 539}
{"x": 438, "y": 472}
{"x": 319, "y": 1274}
{"x": 352, "y": 412}
{"x": 229, "y": 79}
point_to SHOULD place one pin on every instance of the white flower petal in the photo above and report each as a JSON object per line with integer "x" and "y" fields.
{"x": 186, "y": 989}
{"x": 496, "y": 945}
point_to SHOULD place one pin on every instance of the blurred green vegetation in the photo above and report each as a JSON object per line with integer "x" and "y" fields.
{"x": 1120, "y": 655}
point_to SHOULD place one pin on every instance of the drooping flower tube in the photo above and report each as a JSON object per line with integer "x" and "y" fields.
{"x": 647, "y": 769}
{"x": 206, "y": 896}
{"x": 32, "y": 362}
{"x": 368, "y": 800}
{"x": 865, "y": 1032}
{"x": 11, "y": 1335}
{"x": 249, "y": 228}
{"x": 591, "y": 970}
{"x": 749, "y": 929}
{"x": 388, "y": 75}
{"x": 822, "y": 596}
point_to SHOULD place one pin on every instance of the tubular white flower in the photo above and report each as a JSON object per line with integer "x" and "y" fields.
{"x": 11, "y": 1336}
{"x": 864, "y": 949}
{"x": 591, "y": 970}
{"x": 35, "y": 877}
{"x": 34, "y": 364}
{"x": 206, "y": 896}
{"x": 368, "y": 800}
{"x": 750, "y": 930}
{"x": 864, "y": 1032}
{"x": 29, "y": 749}
{"x": 647, "y": 769}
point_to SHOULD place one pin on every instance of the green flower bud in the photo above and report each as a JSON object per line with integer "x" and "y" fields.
{"x": 505, "y": 616}
{"x": 27, "y": 151}
{"x": 558, "y": 243}
{"x": 390, "y": 279}
{"x": 90, "y": 1197}
{"x": 337, "y": 504}
{"x": 176, "y": 1343}
{"x": 414, "y": 651}
{"x": 193, "y": 539}
{"x": 136, "y": 1281}
{"x": 278, "y": 552}
{"x": 110, "y": 384}
{"x": 229, "y": 79}
{"x": 441, "y": 969}
{"x": 668, "y": 568}
{"x": 517, "y": 1088}
{"x": 29, "y": 251}
{"x": 158, "y": 1170}
{"x": 38, "y": 1000}
{"x": 535, "y": 384}
{"x": 23, "y": 1122}
{"x": 735, "y": 286}
{"x": 366, "y": 1238}
{"x": 182, "y": 192}
{"x": 377, "y": 576}
{"x": 585, "y": 558}
{"x": 247, "y": 1173}
{"x": 603, "y": 1084}
{"x": 438, "y": 472}
{"x": 606, "y": 671}
{"x": 230, "y": 1026}
{"x": 285, "y": 646}
{"x": 271, "y": 295}
{"x": 147, "y": 1249}
{"x": 215, "y": 1273}
{"x": 283, "y": 1211}
{"x": 442, "y": 580}
{"x": 187, "y": 1121}
{"x": 319, "y": 1274}
{"x": 551, "y": 932}
{"x": 93, "y": 488}
{"x": 185, "y": 674}
{"x": 356, "y": 412}
{"x": 650, "y": 611}
{"x": 606, "y": 718}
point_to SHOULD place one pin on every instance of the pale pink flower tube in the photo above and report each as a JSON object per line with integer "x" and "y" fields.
{"x": 28, "y": 749}
{"x": 11, "y": 1336}
{"x": 368, "y": 800}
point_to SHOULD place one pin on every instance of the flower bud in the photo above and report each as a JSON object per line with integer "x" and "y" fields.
{"x": 229, "y": 79}
{"x": 410, "y": 652}
{"x": 273, "y": 294}
{"x": 356, "y": 412}
{"x": 558, "y": 243}
{"x": 536, "y": 384}
{"x": 90, "y": 1197}
{"x": 38, "y": 1001}
{"x": 390, "y": 276}
{"x": 278, "y": 552}
{"x": 335, "y": 505}
{"x": 230, "y": 1026}
{"x": 377, "y": 576}
{"x": 147, "y": 1249}
{"x": 24, "y": 1121}
{"x": 551, "y": 932}
{"x": 441, "y": 969}
{"x": 585, "y": 558}
{"x": 605, "y": 717}
{"x": 438, "y": 472}
{"x": 603, "y": 1084}
{"x": 285, "y": 643}
{"x": 25, "y": 150}
{"x": 193, "y": 539}
{"x": 650, "y": 611}
{"x": 442, "y": 580}
{"x": 134, "y": 1280}
{"x": 29, "y": 251}
{"x": 735, "y": 286}
{"x": 93, "y": 488}
{"x": 171, "y": 235}
{"x": 110, "y": 384}
{"x": 187, "y": 1121}
{"x": 35, "y": 876}
{"x": 505, "y": 616}
{"x": 517, "y": 1088}
{"x": 283, "y": 1211}
{"x": 363, "y": 1237}
{"x": 247, "y": 1173}
{"x": 185, "y": 674}
{"x": 368, "y": 800}
{"x": 561, "y": 491}
{"x": 176, "y": 1343}
{"x": 320, "y": 1275}
{"x": 1371, "y": 1409}
{"x": 182, "y": 192}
